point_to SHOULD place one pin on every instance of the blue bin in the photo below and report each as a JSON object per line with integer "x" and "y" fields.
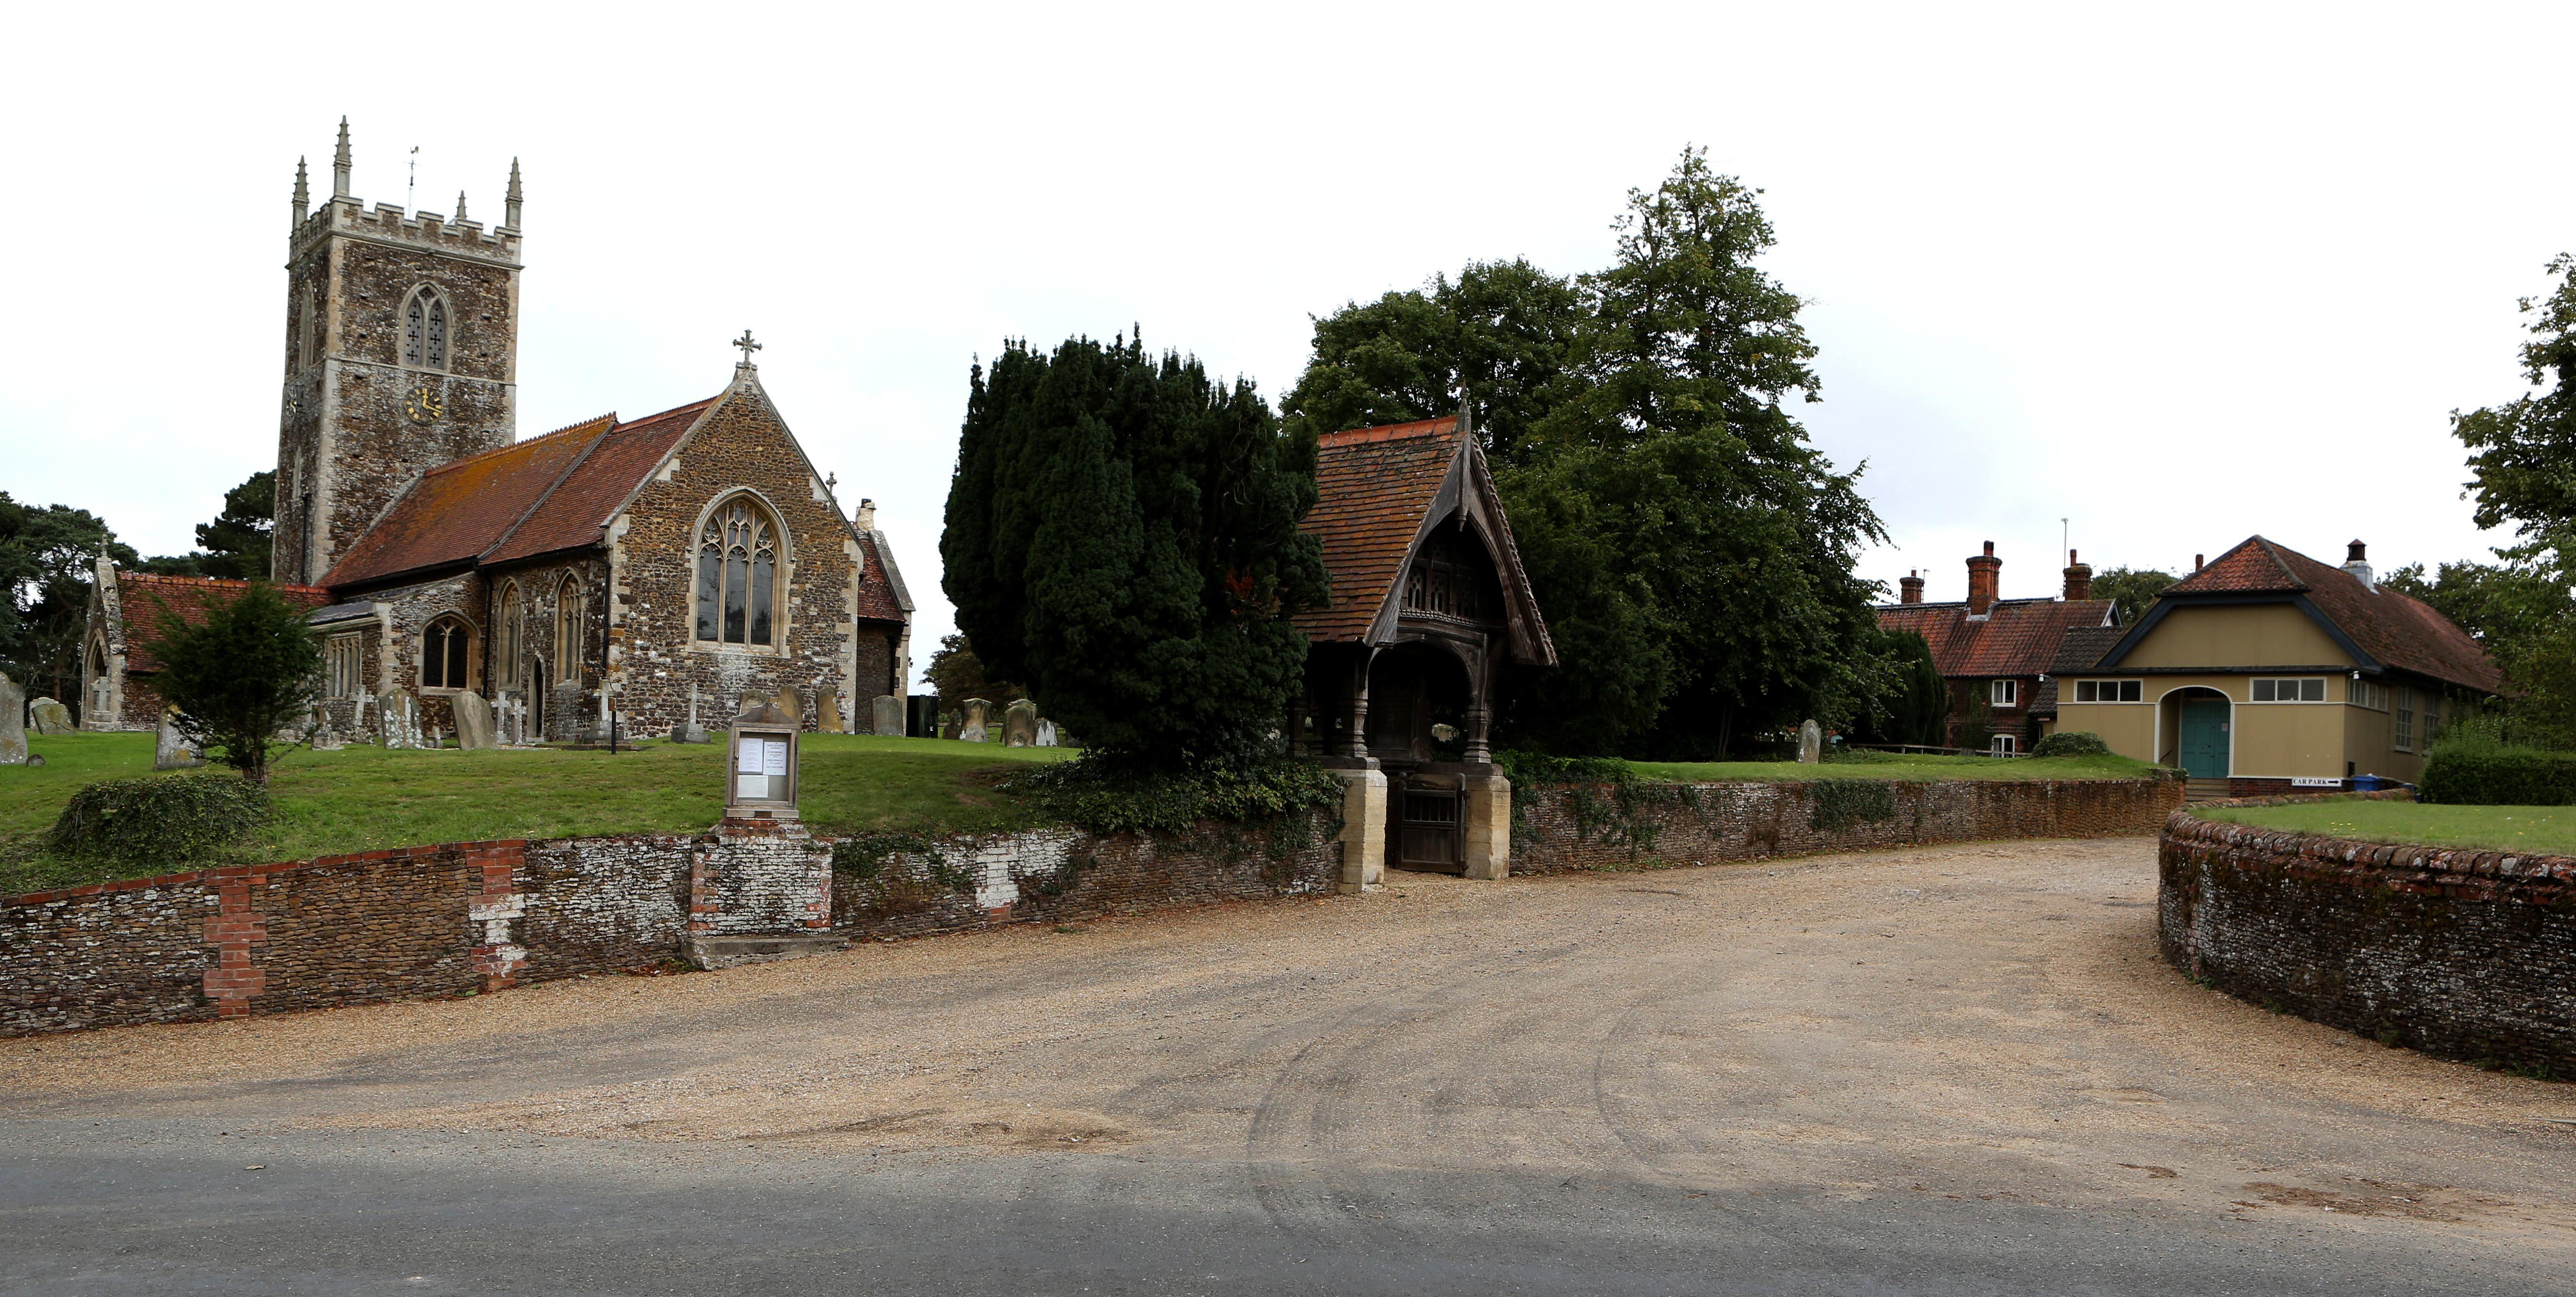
{"x": 2368, "y": 784}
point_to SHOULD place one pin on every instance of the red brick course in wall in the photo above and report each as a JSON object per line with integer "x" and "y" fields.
{"x": 1583, "y": 827}
{"x": 2465, "y": 954}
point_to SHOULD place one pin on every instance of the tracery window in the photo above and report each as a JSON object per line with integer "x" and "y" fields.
{"x": 345, "y": 661}
{"x": 570, "y": 615}
{"x": 513, "y": 642}
{"x": 425, "y": 330}
{"x": 737, "y": 576}
{"x": 1444, "y": 579}
{"x": 444, "y": 654}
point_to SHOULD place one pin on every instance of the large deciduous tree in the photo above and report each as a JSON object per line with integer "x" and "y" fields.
{"x": 2524, "y": 451}
{"x": 1691, "y": 550}
{"x": 1122, "y": 540}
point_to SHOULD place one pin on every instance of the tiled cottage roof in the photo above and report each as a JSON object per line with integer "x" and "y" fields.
{"x": 2083, "y": 647}
{"x": 1377, "y": 484}
{"x": 530, "y": 497}
{"x": 141, "y": 596}
{"x": 2395, "y": 630}
{"x": 2017, "y": 637}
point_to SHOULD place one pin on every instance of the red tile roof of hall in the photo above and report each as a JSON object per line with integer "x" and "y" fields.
{"x": 2017, "y": 638}
{"x": 529, "y": 497}
{"x": 141, "y": 596}
{"x": 1376, "y": 485}
{"x": 2392, "y": 628}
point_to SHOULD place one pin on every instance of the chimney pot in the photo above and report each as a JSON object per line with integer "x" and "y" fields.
{"x": 1984, "y": 575}
{"x": 2359, "y": 567}
{"x": 2079, "y": 578}
{"x": 1910, "y": 587}
{"x": 2355, "y": 552}
{"x": 2195, "y": 562}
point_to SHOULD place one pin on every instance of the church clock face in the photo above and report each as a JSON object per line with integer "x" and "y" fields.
{"x": 424, "y": 405}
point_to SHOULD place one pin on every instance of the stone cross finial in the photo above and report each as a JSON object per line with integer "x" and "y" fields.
{"x": 748, "y": 346}
{"x": 303, "y": 201}
{"x": 510, "y": 201}
{"x": 460, "y": 204}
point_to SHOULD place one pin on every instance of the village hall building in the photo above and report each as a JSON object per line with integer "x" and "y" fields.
{"x": 643, "y": 566}
{"x": 2266, "y": 670}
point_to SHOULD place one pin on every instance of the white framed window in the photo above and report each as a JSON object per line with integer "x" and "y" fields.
{"x": 344, "y": 666}
{"x": 2003, "y": 745}
{"x": 2003, "y": 693}
{"x": 2309, "y": 690}
{"x": 2366, "y": 694}
{"x": 2402, "y": 733}
{"x": 2109, "y": 691}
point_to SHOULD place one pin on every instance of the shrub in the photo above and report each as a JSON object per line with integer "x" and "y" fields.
{"x": 2479, "y": 774}
{"x": 2071, "y": 743}
{"x": 160, "y": 820}
{"x": 242, "y": 677}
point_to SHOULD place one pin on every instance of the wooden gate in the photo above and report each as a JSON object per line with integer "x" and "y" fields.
{"x": 1427, "y": 824}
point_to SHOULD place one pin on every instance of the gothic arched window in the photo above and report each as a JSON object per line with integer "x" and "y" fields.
{"x": 444, "y": 653}
{"x": 737, "y": 575}
{"x": 424, "y": 343}
{"x": 513, "y": 643}
{"x": 569, "y": 616}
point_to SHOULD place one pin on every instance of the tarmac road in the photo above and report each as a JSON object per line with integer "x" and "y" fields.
{"x": 1956, "y": 1070}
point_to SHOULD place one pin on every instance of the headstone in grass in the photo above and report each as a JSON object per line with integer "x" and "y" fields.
{"x": 886, "y": 713}
{"x": 1020, "y": 724}
{"x": 473, "y": 721}
{"x": 170, "y": 748}
{"x": 398, "y": 719}
{"x": 827, "y": 711}
{"x": 1046, "y": 732}
{"x": 791, "y": 700}
{"x": 13, "y": 722}
{"x": 689, "y": 731}
{"x": 49, "y": 717}
{"x": 1811, "y": 743}
{"x": 971, "y": 729}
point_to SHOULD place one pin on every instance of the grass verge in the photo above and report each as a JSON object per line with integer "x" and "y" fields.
{"x": 367, "y": 798}
{"x": 2547, "y": 830}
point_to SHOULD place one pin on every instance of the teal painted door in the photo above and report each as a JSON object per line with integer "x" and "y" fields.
{"x": 2204, "y": 737}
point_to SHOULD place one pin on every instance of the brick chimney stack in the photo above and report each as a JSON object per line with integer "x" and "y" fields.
{"x": 1984, "y": 574}
{"x": 2079, "y": 578}
{"x": 1911, "y": 584}
{"x": 2356, "y": 560}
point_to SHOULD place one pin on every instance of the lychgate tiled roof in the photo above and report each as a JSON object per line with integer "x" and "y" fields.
{"x": 2017, "y": 638}
{"x": 2392, "y": 628}
{"x": 141, "y": 597}
{"x": 1377, "y": 483}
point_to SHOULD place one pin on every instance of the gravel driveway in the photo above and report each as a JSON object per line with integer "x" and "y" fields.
{"x": 1959, "y": 1069}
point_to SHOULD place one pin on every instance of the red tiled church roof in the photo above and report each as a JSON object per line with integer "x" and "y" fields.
{"x": 1377, "y": 483}
{"x": 141, "y": 597}
{"x": 2017, "y": 637}
{"x": 2392, "y": 628}
{"x": 530, "y": 497}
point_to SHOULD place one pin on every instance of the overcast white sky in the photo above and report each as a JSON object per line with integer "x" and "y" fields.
{"x": 2177, "y": 273}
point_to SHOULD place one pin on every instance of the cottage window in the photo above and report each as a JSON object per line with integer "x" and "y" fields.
{"x": 2366, "y": 694}
{"x": 2402, "y": 733}
{"x": 344, "y": 666}
{"x": 2290, "y": 691}
{"x": 425, "y": 330}
{"x": 443, "y": 653}
{"x": 2003, "y": 745}
{"x": 2108, "y": 691}
{"x": 737, "y": 576}
{"x": 2003, "y": 693}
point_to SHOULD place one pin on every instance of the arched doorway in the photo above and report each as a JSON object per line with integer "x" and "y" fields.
{"x": 1418, "y": 696}
{"x": 2201, "y": 723}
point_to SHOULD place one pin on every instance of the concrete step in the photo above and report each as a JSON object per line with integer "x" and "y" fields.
{"x": 2205, "y": 790}
{"x": 735, "y": 951}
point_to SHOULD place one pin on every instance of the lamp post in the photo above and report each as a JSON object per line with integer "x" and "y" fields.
{"x": 760, "y": 764}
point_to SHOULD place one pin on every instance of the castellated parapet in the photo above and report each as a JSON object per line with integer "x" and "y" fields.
{"x": 424, "y": 231}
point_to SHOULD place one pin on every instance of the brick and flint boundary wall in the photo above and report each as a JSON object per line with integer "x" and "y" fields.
{"x": 1592, "y": 826}
{"x": 480, "y": 916}
{"x": 2458, "y": 953}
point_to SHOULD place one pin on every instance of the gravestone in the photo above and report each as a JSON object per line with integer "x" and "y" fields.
{"x": 13, "y": 722}
{"x": 1046, "y": 732}
{"x": 97, "y": 712}
{"x": 1811, "y": 743}
{"x": 49, "y": 717}
{"x": 971, "y": 730}
{"x": 473, "y": 721}
{"x": 171, "y": 749}
{"x": 398, "y": 720}
{"x": 887, "y": 715}
{"x": 1020, "y": 724}
{"x": 325, "y": 739}
{"x": 690, "y": 731}
{"x": 827, "y": 712}
{"x": 791, "y": 700}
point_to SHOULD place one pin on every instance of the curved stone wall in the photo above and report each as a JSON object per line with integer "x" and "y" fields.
{"x": 2465, "y": 954}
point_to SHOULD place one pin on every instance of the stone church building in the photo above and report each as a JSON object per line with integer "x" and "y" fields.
{"x": 612, "y": 565}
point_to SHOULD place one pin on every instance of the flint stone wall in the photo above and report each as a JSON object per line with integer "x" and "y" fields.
{"x": 2464, "y": 954}
{"x": 1588, "y": 826}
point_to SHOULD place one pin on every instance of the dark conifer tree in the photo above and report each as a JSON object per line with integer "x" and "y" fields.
{"x": 1122, "y": 539}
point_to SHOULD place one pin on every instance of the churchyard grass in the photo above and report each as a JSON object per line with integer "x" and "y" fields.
{"x": 368, "y": 798}
{"x": 1908, "y": 768}
{"x": 2546, "y": 830}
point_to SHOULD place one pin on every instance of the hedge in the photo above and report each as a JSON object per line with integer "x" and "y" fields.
{"x": 2482, "y": 775}
{"x": 158, "y": 819}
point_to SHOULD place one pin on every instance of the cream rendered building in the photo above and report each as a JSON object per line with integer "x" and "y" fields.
{"x": 2270, "y": 670}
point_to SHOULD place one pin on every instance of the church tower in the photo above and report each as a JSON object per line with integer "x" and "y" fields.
{"x": 402, "y": 341}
